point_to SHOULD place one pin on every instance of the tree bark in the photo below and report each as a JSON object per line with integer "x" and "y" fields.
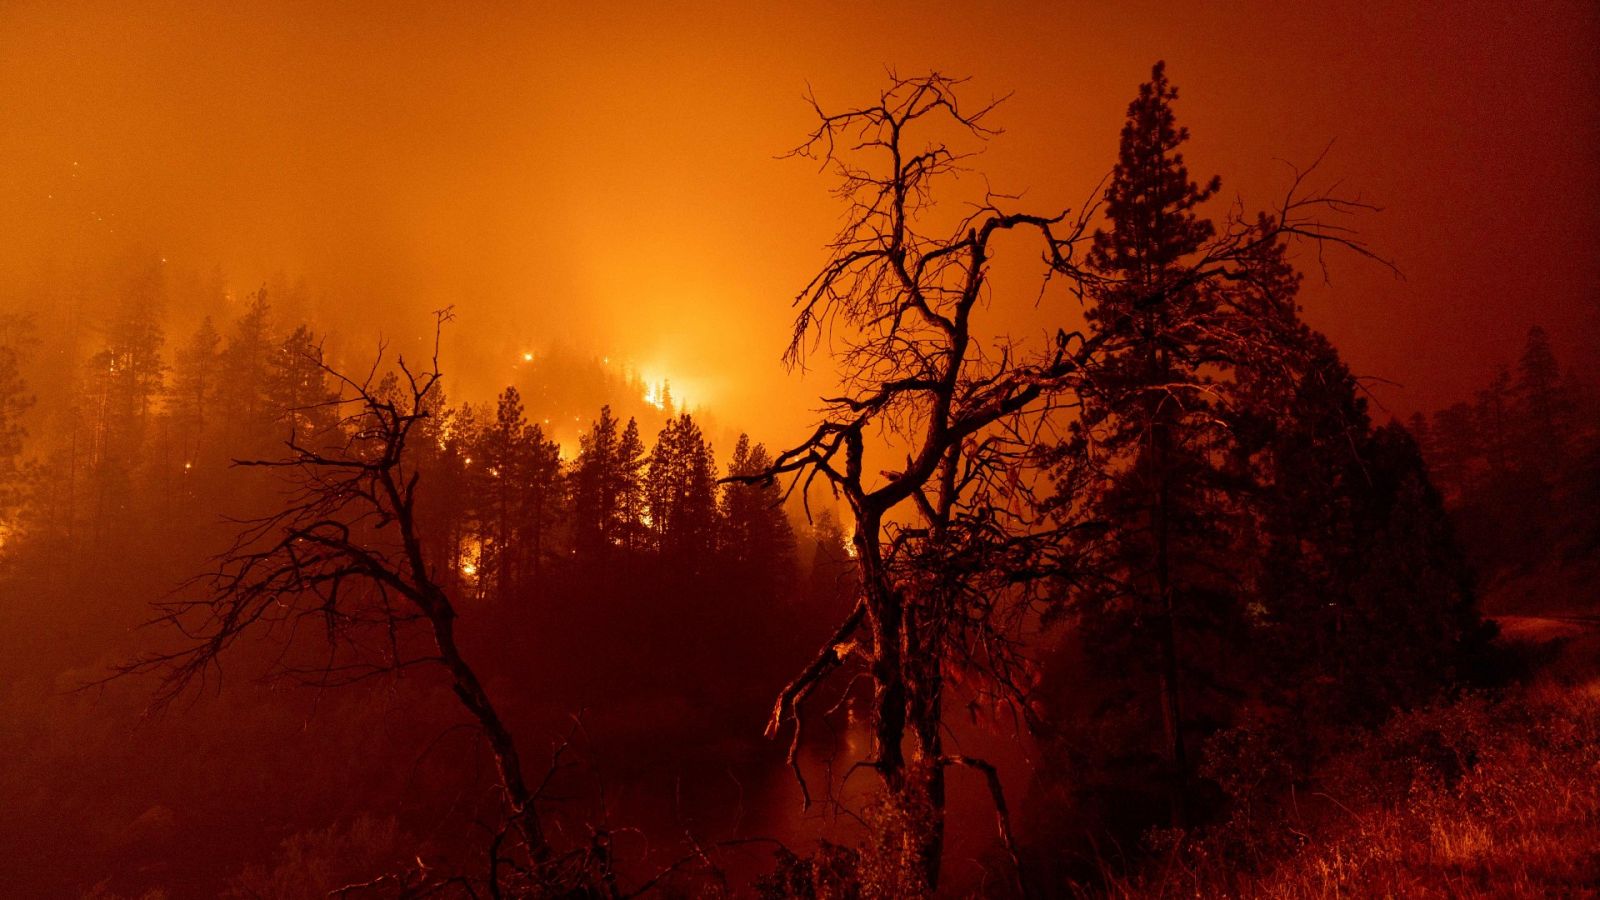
{"x": 508, "y": 763}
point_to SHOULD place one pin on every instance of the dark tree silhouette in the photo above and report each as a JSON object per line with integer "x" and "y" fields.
{"x": 631, "y": 500}
{"x": 915, "y": 364}
{"x": 962, "y": 407}
{"x": 1364, "y": 601}
{"x": 1239, "y": 511}
{"x": 758, "y": 541}
{"x": 345, "y": 555}
{"x": 15, "y": 400}
{"x": 680, "y": 490}
{"x": 245, "y": 372}
{"x": 1545, "y": 403}
{"x": 297, "y": 392}
{"x": 516, "y": 474}
{"x": 192, "y": 397}
{"x": 123, "y": 389}
{"x": 1516, "y": 468}
{"x": 1150, "y": 397}
{"x": 597, "y": 484}
{"x": 441, "y": 446}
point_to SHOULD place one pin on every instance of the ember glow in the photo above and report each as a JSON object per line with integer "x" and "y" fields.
{"x": 692, "y": 450}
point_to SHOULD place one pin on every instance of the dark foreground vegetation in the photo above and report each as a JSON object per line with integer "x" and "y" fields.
{"x": 1104, "y": 584}
{"x": 1490, "y": 794}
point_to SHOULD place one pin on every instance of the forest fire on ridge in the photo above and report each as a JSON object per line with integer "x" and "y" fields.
{"x": 736, "y": 453}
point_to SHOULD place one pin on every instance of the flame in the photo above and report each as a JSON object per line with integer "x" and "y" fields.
{"x": 468, "y": 556}
{"x": 671, "y": 392}
{"x": 656, "y": 395}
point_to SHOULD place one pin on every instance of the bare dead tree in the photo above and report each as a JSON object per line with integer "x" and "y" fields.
{"x": 902, "y": 300}
{"x": 344, "y": 557}
{"x": 947, "y": 538}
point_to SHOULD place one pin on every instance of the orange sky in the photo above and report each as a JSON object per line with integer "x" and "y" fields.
{"x": 605, "y": 176}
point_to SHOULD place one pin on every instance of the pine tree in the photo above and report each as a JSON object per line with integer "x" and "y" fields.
{"x": 1363, "y": 599}
{"x": 594, "y": 483}
{"x": 192, "y": 402}
{"x": 1456, "y": 457}
{"x": 125, "y": 381}
{"x": 543, "y": 503}
{"x": 15, "y": 400}
{"x": 453, "y": 503}
{"x": 1543, "y": 405}
{"x": 500, "y": 464}
{"x": 631, "y": 506}
{"x": 681, "y": 494}
{"x": 758, "y": 541}
{"x": 297, "y": 393}
{"x": 441, "y": 444}
{"x": 245, "y": 369}
{"x": 1143, "y": 417}
{"x": 1494, "y": 425}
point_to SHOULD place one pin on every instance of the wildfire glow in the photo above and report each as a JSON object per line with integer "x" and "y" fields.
{"x": 468, "y": 558}
{"x": 656, "y": 395}
{"x": 667, "y": 389}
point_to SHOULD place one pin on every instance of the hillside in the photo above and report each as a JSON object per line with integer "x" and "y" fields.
{"x": 1495, "y": 794}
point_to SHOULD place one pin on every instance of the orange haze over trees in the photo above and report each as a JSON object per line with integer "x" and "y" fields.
{"x": 581, "y": 178}
{"x": 811, "y": 452}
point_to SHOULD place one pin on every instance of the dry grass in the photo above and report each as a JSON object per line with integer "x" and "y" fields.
{"x": 1495, "y": 798}
{"x": 1523, "y": 822}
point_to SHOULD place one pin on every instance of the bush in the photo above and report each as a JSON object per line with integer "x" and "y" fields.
{"x": 1480, "y": 797}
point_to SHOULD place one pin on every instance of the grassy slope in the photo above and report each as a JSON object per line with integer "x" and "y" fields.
{"x": 1499, "y": 797}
